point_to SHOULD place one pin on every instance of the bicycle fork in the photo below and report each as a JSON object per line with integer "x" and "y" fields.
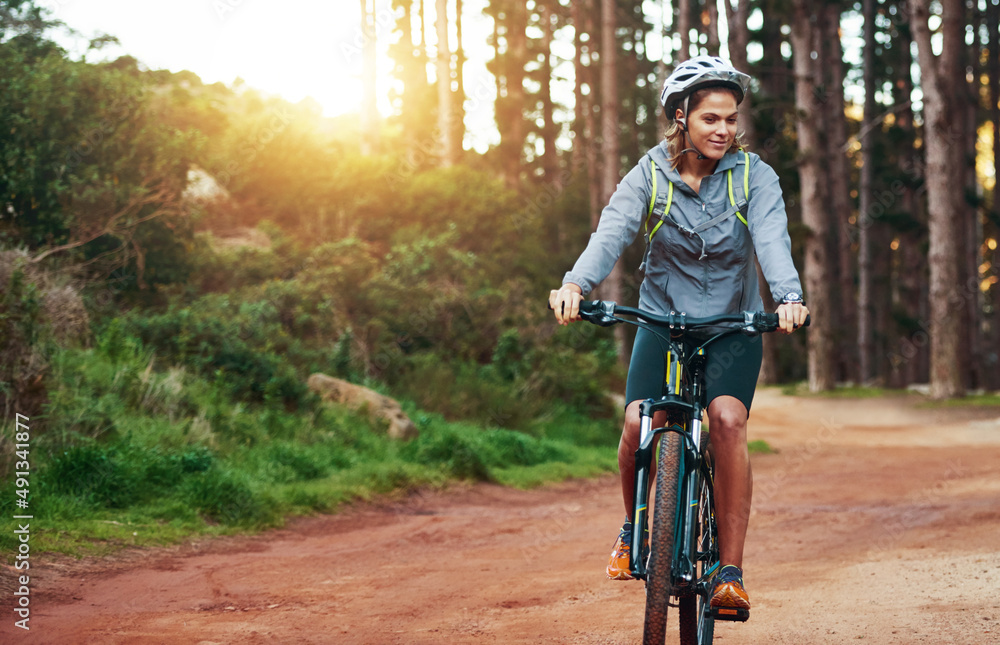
{"x": 643, "y": 468}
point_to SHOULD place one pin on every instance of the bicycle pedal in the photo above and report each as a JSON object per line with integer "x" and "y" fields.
{"x": 730, "y": 613}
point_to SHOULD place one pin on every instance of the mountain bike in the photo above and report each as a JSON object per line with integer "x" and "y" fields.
{"x": 683, "y": 553}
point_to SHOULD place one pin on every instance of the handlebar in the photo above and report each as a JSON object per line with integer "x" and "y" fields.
{"x": 603, "y": 313}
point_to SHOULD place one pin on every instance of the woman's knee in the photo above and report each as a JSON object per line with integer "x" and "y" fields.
{"x": 727, "y": 420}
{"x": 630, "y": 431}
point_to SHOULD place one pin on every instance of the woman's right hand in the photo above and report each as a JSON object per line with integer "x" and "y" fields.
{"x": 565, "y": 302}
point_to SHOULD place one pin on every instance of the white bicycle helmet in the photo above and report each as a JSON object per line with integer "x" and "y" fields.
{"x": 699, "y": 73}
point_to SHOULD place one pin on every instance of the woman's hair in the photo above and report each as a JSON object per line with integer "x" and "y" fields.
{"x": 675, "y": 133}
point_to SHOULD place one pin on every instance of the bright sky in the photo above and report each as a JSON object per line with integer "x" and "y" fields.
{"x": 296, "y": 48}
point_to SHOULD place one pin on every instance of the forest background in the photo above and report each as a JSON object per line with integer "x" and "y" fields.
{"x": 176, "y": 258}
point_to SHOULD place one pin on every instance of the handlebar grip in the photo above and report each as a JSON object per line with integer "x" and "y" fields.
{"x": 765, "y": 322}
{"x": 769, "y": 322}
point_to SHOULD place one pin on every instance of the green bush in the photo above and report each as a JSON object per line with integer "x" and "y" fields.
{"x": 284, "y": 461}
{"x": 214, "y": 345}
{"x": 471, "y": 453}
{"x": 120, "y": 475}
{"x": 95, "y": 475}
{"x": 228, "y": 498}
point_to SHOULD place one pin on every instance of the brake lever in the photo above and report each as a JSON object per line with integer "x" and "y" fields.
{"x": 599, "y": 312}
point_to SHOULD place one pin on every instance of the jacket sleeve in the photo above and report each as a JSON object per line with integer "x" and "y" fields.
{"x": 769, "y": 229}
{"x": 620, "y": 222}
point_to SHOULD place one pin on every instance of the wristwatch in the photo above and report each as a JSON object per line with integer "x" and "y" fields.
{"x": 792, "y": 298}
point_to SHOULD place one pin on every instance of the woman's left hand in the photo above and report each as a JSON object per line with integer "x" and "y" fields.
{"x": 791, "y": 316}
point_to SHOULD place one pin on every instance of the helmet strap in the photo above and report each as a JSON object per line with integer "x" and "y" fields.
{"x": 684, "y": 110}
{"x": 693, "y": 148}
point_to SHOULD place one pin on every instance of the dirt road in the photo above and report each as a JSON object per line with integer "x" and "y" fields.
{"x": 875, "y": 522}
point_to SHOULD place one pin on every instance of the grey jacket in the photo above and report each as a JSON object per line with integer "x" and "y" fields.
{"x": 701, "y": 273}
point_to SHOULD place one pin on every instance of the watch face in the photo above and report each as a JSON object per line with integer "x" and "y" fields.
{"x": 792, "y": 297}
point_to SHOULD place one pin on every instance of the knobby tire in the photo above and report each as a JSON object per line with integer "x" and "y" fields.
{"x": 697, "y": 625}
{"x": 661, "y": 539}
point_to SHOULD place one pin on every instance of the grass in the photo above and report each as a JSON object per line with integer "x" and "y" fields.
{"x": 865, "y": 392}
{"x": 845, "y": 392}
{"x": 760, "y": 447}
{"x": 126, "y": 456}
{"x": 973, "y": 400}
{"x": 236, "y": 498}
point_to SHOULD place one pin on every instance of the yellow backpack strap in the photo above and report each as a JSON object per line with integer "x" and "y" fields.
{"x": 746, "y": 176}
{"x": 652, "y": 198}
{"x": 666, "y": 209}
{"x": 652, "y": 203}
{"x": 746, "y": 185}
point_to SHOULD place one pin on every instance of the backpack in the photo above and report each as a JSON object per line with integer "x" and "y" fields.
{"x": 740, "y": 213}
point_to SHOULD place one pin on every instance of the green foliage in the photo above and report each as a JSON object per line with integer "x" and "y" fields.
{"x": 86, "y": 162}
{"x": 471, "y": 453}
{"x": 120, "y": 474}
{"x": 229, "y": 498}
{"x": 21, "y": 361}
{"x": 173, "y": 452}
{"x": 242, "y": 352}
{"x": 37, "y": 311}
{"x": 760, "y": 447}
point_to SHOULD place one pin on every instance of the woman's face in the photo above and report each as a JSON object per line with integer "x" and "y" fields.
{"x": 712, "y": 124}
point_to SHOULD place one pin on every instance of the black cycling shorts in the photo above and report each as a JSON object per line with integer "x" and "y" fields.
{"x": 732, "y": 368}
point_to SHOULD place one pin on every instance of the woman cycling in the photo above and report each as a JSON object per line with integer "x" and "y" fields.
{"x": 700, "y": 261}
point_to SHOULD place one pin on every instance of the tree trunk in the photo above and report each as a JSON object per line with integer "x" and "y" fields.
{"x": 814, "y": 214}
{"x": 407, "y": 61}
{"x": 517, "y": 41}
{"x": 458, "y": 97}
{"x": 594, "y": 172}
{"x": 445, "y": 118}
{"x": 684, "y": 29}
{"x": 591, "y": 140}
{"x": 993, "y": 73}
{"x": 774, "y": 78}
{"x": 712, "y": 26}
{"x": 975, "y": 357}
{"x": 945, "y": 293}
{"x": 609, "y": 134}
{"x": 739, "y": 39}
{"x": 839, "y": 197}
{"x": 629, "y": 68}
{"x": 864, "y": 221}
{"x": 369, "y": 110}
{"x": 578, "y": 155}
{"x": 667, "y": 42}
{"x": 822, "y": 107}
{"x": 549, "y": 127}
{"x": 424, "y": 57}
{"x": 908, "y": 356}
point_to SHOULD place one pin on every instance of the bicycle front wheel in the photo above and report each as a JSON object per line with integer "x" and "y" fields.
{"x": 661, "y": 539}
{"x": 697, "y": 624}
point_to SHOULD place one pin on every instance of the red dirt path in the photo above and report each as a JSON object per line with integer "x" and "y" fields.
{"x": 875, "y": 522}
